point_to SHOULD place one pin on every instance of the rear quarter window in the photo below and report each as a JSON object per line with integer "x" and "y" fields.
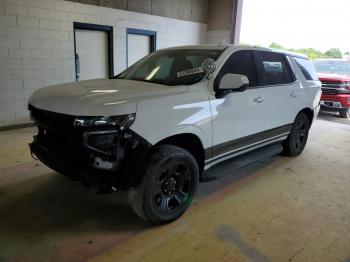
{"x": 307, "y": 68}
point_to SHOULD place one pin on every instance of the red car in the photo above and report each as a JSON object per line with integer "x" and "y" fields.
{"x": 335, "y": 77}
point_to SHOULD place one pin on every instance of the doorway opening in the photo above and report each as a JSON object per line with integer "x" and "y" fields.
{"x": 93, "y": 51}
{"x": 139, "y": 43}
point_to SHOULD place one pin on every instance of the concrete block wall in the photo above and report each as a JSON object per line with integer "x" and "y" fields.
{"x": 220, "y": 21}
{"x": 219, "y": 37}
{"x": 37, "y": 45}
{"x": 191, "y": 10}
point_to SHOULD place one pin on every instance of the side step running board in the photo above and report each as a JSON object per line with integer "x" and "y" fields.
{"x": 229, "y": 166}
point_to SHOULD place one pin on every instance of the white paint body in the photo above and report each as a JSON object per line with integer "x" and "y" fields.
{"x": 163, "y": 111}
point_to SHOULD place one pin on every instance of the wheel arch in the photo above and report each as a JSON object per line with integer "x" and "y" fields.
{"x": 189, "y": 142}
{"x": 309, "y": 113}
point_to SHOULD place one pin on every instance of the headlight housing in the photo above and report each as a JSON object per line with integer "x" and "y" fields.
{"x": 120, "y": 122}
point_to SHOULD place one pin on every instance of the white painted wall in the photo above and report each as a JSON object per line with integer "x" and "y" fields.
{"x": 92, "y": 49}
{"x": 37, "y": 50}
{"x": 138, "y": 47}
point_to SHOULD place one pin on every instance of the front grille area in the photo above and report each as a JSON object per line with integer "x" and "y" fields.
{"x": 56, "y": 131}
{"x": 334, "y": 88}
{"x": 58, "y": 134}
{"x": 330, "y": 91}
{"x": 326, "y": 84}
{"x": 51, "y": 120}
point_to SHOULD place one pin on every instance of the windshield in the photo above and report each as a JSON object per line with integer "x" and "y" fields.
{"x": 333, "y": 67}
{"x": 171, "y": 67}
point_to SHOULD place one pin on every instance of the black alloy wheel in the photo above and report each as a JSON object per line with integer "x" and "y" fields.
{"x": 300, "y": 133}
{"x": 297, "y": 138}
{"x": 172, "y": 190}
{"x": 167, "y": 187}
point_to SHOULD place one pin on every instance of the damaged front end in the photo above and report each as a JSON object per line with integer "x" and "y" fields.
{"x": 100, "y": 151}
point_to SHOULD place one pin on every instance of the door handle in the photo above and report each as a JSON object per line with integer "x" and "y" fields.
{"x": 258, "y": 100}
{"x": 294, "y": 94}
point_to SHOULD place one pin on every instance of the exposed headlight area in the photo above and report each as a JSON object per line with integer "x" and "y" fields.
{"x": 104, "y": 136}
{"x": 120, "y": 122}
{"x": 101, "y": 142}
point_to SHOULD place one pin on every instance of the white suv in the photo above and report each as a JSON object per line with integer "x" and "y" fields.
{"x": 158, "y": 126}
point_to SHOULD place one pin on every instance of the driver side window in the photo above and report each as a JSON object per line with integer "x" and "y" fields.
{"x": 240, "y": 62}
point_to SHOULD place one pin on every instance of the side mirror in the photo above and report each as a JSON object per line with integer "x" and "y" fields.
{"x": 233, "y": 82}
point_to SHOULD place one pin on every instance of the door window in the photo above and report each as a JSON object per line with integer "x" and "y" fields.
{"x": 273, "y": 69}
{"x": 240, "y": 62}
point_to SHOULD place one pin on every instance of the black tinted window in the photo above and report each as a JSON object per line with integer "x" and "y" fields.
{"x": 307, "y": 68}
{"x": 273, "y": 69}
{"x": 241, "y": 62}
{"x": 171, "y": 67}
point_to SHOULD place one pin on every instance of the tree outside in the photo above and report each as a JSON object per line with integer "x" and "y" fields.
{"x": 313, "y": 53}
{"x": 334, "y": 53}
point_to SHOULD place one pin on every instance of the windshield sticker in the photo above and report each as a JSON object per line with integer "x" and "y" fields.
{"x": 192, "y": 71}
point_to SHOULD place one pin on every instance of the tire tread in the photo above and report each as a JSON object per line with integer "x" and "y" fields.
{"x": 136, "y": 195}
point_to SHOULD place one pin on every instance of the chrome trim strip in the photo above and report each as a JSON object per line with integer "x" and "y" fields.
{"x": 248, "y": 146}
{"x": 244, "y": 151}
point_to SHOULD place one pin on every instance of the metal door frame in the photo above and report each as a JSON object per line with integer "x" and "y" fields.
{"x": 101, "y": 28}
{"x": 151, "y": 34}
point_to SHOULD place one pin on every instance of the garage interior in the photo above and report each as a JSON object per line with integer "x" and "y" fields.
{"x": 280, "y": 209}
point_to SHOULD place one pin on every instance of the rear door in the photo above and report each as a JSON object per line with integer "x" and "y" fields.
{"x": 281, "y": 90}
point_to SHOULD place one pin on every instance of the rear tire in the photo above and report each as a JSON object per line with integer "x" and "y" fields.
{"x": 296, "y": 141}
{"x": 345, "y": 113}
{"x": 167, "y": 187}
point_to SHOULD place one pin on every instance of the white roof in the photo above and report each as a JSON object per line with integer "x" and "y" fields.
{"x": 234, "y": 46}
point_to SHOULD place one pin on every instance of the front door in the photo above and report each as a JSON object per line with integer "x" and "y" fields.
{"x": 239, "y": 118}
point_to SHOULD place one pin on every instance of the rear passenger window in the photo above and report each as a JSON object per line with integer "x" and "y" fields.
{"x": 273, "y": 69}
{"x": 307, "y": 68}
{"x": 240, "y": 62}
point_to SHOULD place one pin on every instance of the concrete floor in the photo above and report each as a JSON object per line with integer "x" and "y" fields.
{"x": 283, "y": 209}
{"x": 333, "y": 117}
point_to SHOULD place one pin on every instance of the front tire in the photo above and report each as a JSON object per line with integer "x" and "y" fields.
{"x": 296, "y": 141}
{"x": 345, "y": 113}
{"x": 167, "y": 187}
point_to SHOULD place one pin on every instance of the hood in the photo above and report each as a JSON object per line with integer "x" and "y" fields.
{"x": 333, "y": 77}
{"x": 101, "y": 97}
